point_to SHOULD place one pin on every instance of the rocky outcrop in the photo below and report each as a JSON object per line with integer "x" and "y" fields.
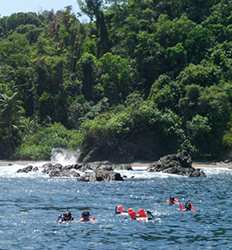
{"x": 26, "y": 169}
{"x": 180, "y": 164}
{"x": 95, "y": 171}
{"x": 135, "y": 146}
{"x": 102, "y": 175}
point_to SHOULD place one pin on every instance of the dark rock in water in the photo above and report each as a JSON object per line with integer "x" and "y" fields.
{"x": 180, "y": 164}
{"x": 74, "y": 174}
{"x": 64, "y": 173}
{"x": 102, "y": 175}
{"x": 228, "y": 161}
{"x": 101, "y": 171}
{"x": 54, "y": 173}
{"x": 77, "y": 166}
{"x": 198, "y": 173}
{"x": 184, "y": 159}
{"x": 67, "y": 168}
{"x": 35, "y": 169}
{"x": 26, "y": 169}
{"x": 58, "y": 166}
{"x": 47, "y": 168}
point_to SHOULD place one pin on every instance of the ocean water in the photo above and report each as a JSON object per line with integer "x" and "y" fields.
{"x": 30, "y": 205}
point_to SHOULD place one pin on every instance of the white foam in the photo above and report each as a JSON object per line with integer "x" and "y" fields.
{"x": 216, "y": 170}
{"x": 64, "y": 157}
{"x": 141, "y": 173}
{"x": 9, "y": 170}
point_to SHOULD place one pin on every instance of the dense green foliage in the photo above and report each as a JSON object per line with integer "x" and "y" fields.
{"x": 39, "y": 145}
{"x": 142, "y": 78}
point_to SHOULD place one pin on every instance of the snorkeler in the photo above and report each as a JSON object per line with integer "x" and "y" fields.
{"x": 86, "y": 217}
{"x": 144, "y": 215}
{"x": 187, "y": 206}
{"x": 120, "y": 210}
{"x": 173, "y": 200}
{"x": 150, "y": 215}
{"x": 140, "y": 215}
{"x": 65, "y": 217}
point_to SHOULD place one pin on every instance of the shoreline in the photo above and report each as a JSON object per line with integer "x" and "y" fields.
{"x": 135, "y": 165}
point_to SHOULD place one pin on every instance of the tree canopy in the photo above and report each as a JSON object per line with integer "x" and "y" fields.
{"x": 143, "y": 77}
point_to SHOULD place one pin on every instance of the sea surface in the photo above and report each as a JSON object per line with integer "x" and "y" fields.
{"x": 30, "y": 205}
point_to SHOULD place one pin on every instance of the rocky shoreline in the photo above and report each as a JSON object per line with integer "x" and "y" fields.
{"x": 88, "y": 172}
{"x": 178, "y": 164}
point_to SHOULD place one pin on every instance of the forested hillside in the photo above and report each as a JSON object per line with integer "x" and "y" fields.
{"x": 140, "y": 80}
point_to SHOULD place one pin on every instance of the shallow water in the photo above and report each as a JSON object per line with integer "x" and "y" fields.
{"x": 29, "y": 208}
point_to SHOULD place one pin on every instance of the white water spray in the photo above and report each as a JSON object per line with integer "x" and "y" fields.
{"x": 64, "y": 157}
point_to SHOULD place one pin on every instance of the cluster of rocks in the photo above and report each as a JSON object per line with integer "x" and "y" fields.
{"x": 180, "y": 164}
{"x": 95, "y": 171}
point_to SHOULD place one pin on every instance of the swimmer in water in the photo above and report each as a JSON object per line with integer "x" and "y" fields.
{"x": 188, "y": 206}
{"x": 120, "y": 210}
{"x": 173, "y": 200}
{"x": 140, "y": 215}
{"x": 86, "y": 217}
{"x": 144, "y": 215}
{"x": 65, "y": 217}
{"x": 150, "y": 215}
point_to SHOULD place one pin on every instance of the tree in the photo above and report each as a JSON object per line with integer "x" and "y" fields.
{"x": 87, "y": 73}
{"x": 93, "y": 8}
{"x": 117, "y": 77}
{"x": 10, "y": 115}
{"x": 199, "y": 131}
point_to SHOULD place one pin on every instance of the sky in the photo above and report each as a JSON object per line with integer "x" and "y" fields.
{"x": 8, "y": 7}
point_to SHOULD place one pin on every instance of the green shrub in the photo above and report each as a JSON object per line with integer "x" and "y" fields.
{"x": 39, "y": 145}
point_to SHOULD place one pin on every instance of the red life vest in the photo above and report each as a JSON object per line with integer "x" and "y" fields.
{"x": 142, "y": 213}
{"x": 132, "y": 213}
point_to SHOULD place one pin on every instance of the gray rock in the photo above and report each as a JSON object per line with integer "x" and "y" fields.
{"x": 58, "y": 166}
{"x": 26, "y": 169}
{"x": 102, "y": 175}
{"x": 198, "y": 173}
{"x": 74, "y": 174}
{"x": 54, "y": 173}
{"x": 180, "y": 164}
{"x": 35, "y": 169}
{"x": 47, "y": 168}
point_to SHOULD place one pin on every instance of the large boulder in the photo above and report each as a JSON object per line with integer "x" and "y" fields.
{"x": 180, "y": 164}
{"x": 102, "y": 175}
{"x": 47, "y": 168}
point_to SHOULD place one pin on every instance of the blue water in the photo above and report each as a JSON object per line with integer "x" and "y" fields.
{"x": 29, "y": 208}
